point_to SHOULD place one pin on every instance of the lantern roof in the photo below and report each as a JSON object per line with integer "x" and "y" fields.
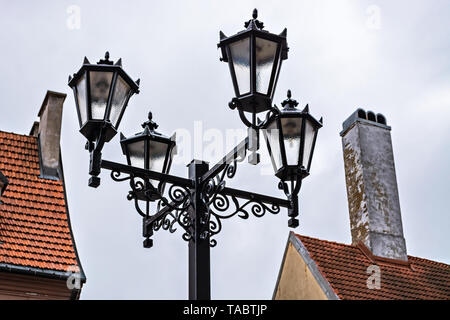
{"x": 104, "y": 65}
{"x": 253, "y": 26}
{"x": 149, "y": 132}
{"x": 290, "y": 109}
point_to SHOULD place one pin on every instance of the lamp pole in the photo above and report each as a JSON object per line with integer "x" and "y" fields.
{"x": 199, "y": 203}
{"x": 199, "y": 252}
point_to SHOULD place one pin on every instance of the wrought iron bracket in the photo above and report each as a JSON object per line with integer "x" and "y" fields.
{"x": 174, "y": 197}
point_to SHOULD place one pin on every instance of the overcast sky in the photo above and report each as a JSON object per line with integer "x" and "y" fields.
{"x": 391, "y": 57}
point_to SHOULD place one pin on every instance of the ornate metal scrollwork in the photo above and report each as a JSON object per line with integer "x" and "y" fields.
{"x": 177, "y": 202}
{"x": 219, "y": 209}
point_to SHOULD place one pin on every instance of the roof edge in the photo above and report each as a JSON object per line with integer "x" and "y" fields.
{"x": 313, "y": 268}
{"x": 53, "y": 274}
{"x": 69, "y": 223}
{"x": 281, "y": 268}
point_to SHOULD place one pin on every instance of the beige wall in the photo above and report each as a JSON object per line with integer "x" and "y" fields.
{"x": 296, "y": 280}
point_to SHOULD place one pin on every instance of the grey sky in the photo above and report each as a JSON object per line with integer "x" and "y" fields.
{"x": 339, "y": 59}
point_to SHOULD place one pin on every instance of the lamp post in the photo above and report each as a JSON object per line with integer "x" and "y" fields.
{"x": 199, "y": 203}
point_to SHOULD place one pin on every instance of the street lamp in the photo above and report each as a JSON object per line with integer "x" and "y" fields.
{"x": 254, "y": 57}
{"x": 102, "y": 92}
{"x": 198, "y": 204}
{"x": 291, "y": 137}
{"x": 149, "y": 150}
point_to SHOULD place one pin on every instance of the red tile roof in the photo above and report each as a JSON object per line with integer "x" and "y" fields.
{"x": 345, "y": 268}
{"x": 34, "y": 224}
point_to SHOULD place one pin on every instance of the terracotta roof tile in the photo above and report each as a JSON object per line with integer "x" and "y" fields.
{"x": 345, "y": 268}
{"x": 34, "y": 228}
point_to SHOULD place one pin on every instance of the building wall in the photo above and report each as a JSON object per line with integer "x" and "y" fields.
{"x": 296, "y": 280}
{"x": 28, "y": 287}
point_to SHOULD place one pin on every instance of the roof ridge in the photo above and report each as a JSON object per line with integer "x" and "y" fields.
{"x": 327, "y": 241}
{"x": 18, "y": 134}
{"x": 353, "y": 246}
{"x": 430, "y": 261}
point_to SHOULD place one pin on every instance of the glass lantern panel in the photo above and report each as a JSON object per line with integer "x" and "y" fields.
{"x": 265, "y": 58}
{"x": 121, "y": 92}
{"x": 100, "y": 84}
{"x": 81, "y": 98}
{"x": 240, "y": 55}
{"x": 309, "y": 138}
{"x": 275, "y": 79}
{"x": 136, "y": 153}
{"x": 157, "y": 155}
{"x": 273, "y": 138}
{"x": 292, "y": 128}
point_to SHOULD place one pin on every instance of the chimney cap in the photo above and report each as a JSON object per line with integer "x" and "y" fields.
{"x": 360, "y": 115}
{"x": 50, "y": 93}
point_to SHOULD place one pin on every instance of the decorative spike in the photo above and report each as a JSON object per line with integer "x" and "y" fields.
{"x": 255, "y": 13}
{"x": 289, "y": 94}
{"x": 86, "y": 61}
{"x": 150, "y": 124}
{"x": 122, "y": 137}
{"x": 70, "y": 78}
{"x": 222, "y": 35}
{"x": 283, "y": 33}
{"x": 107, "y": 55}
{"x": 321, "y": 120}
{"x": 119, "y": 62}
{"x": 306, "y": 109}
{"x": 138, "y": 81}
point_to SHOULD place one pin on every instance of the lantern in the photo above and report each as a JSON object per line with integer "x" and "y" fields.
{"x": 102, "y": 92}
{"x": 254, "y": 57}
{"x": 291, "y": 136}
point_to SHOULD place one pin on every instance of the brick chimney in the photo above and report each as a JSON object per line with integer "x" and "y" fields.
{"x": 48, "y": 131}
{"x": 375, "y": 217}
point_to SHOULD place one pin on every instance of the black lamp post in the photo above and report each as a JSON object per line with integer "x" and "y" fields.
{"x": 199, "y": 203}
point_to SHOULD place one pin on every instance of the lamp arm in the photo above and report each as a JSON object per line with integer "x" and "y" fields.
{"x": 292, "y": 195}
{"x": 95, "y": 149}
{"x": 255, "y": 123}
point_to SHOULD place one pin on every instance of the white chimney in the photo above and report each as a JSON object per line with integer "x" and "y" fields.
{"x": 375, "y": 217}
{"x": 48, "y": 131}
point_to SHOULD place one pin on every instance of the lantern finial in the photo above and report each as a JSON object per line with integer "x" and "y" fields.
{"x": 255, "y": 13}
{"x": 254, "y": 23}
{"x": 289, "y": 103}
{"x": 150, "y": 124}
{"x": 106, "y": 60}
